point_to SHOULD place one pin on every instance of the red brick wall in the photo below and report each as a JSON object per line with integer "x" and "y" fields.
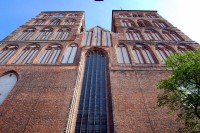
{"x": 40, "y": 101}
{"x": 134, "y": 97}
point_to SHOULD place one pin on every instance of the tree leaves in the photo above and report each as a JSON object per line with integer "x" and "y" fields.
{"x": 182, "y": 89}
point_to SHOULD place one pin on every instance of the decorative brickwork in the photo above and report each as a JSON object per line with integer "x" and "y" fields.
{"x": 48, "y": 55}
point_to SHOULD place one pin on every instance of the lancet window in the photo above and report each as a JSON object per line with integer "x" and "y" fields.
{"x": 39, "y": 22}
{"x": 26, "y": 34}
{"x": 69, "y": 22}
{"x": 144, "y": 23}
{"x": 7, "y": 52}
{"x": 133, "y": 35}
{"x": 62, "y": 34}
{"x": 128, "y": 23}
{"x": 122, "y": 54}
{"x": 44, "y": 34}
{"x": 143, "y": 55}
{"x": 70, "y": 54}
{"x": 171, "y": 35}
{"x": 50, "y": 54}
{"x": 152, "y": 35}
{"x": 163, "y": 52}
{"x": 55, "y": 22}
{"x": 27, "y": 54}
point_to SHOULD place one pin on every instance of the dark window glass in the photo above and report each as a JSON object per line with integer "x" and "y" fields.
{"x": 92, "y": 114}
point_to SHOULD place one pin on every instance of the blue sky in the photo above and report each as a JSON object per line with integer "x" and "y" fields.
{"x": 181, "y": 13}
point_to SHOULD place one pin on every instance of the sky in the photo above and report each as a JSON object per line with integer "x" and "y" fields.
{"x": 183, "y": 14}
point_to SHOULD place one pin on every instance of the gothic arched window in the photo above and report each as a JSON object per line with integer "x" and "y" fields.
{"x": 143, "y": 55}
{"x": 144, "y": 23}
{"x": 124, "y": 15}
{"x": 159, "y": 24}
{"x": 69, "y": 22}
{"x": 152, "y": 35}
{"x": 55, "y": 22}
{"x": 72, "y": 15}
{"x": 163, "y": 52}
{"x": 128, "y": 23}
{"x": 137, "y": 15}
{"x": 7, "y": 52}
{"x": 62, "y": 34}
{"x": 133, "y": 35}
{"x": 7, "y": 82}
{"x": 184, "y": 48}
{"x": 151, "y": 16}
{"x": 39, "y": 22}
{"x": 50, "y": 54}
{"x": 27, "y": 54}
{"x": 26, "y": 34}
{"x": 70, "y": 54}
{"x": 44, "y": 34}
{"x": 93, "y": 114}
{"x": 47, "y": 16}
{"x": 122, "y": 54}
{"x": 58, "y": 16}
{"x": 172, "y": 35}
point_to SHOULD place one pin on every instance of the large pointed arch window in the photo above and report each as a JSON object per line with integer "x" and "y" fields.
{"x": 44, "y": 34}
{"x": 132, "y": 34}
{"x": 163, "y": 52}
{"x": 62, "y": 34}
{"x": 94, "y": 114}
{"x": 122, "y": 54}
{"x": 171, "y": 35}
{"x": 39, "y": 22}
{"x": 7, "y": 82}
{"x": 128, "y": 23}
{"x": 152, "y": 35}
{"x": 159, "y": 24}
{"x": 7, "y": 52}
{"x": 27, "y": 54}
{"x": 143, "y": 55}
{"x": 70, "y": 54}
{"x": 26, "y": 34}
{"x": 55, "y": 22}
{"x": 51, "y": 54}
{"x": 69, "y": 22}
{"x": 144, "y": 23}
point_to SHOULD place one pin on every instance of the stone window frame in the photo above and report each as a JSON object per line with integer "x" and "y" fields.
{"x": 44, "y": 34}
{"x": 26, "y": 34}
{"x": 152, "y": 35}
{"x": 27, "y": 55}
{"x": 123, "y": 56}
{"x": 172, "y": 35}
{"x": 144, "y": 54}
{"x": 133, "y": 34}
{"x": 163, "y": 51}
{"x": 62, "y": 34}
{"x": 7, "y": 52}
{"x": 70, "y": 54}
{"x": 144, "y": 23}
{"x": 51, "y": 54}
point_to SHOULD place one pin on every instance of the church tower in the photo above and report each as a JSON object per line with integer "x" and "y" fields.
{"x": 56, "y": 76}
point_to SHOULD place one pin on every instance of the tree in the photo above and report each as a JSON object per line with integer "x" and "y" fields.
{"x": 182, "y": 89}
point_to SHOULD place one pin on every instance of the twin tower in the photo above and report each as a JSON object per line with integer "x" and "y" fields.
{"x": 56, "y": 76}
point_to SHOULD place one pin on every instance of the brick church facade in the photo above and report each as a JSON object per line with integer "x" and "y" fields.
{"x": 56, "y": 76}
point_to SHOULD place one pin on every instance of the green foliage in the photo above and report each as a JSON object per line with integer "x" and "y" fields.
{"x": 182, "y": 89}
